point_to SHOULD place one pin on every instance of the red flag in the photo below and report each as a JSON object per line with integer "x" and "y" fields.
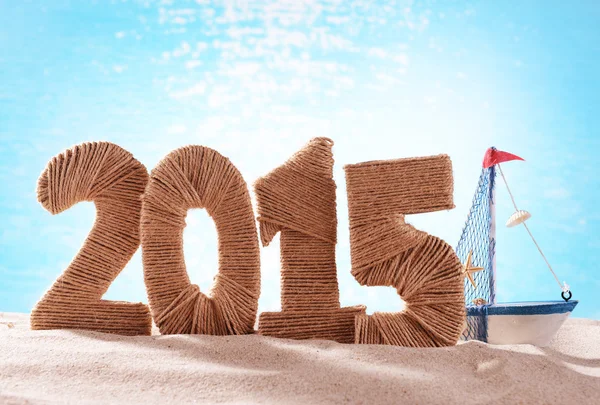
{"x": 494, "y": 156}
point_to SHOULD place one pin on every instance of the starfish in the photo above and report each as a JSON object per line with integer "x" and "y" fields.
{"x": 468, "y": 269}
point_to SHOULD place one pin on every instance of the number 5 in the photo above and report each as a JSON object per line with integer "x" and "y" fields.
{"x": 386, "y": 251}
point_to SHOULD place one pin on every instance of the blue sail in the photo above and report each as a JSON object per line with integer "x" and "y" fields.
{"x": 478, "y": 237}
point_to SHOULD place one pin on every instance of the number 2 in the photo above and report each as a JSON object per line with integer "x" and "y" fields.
{"x": 110, "y": 177}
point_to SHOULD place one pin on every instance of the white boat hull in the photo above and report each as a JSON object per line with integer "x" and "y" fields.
{"x": 533, "y": 323}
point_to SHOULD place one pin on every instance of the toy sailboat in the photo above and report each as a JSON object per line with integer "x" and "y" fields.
{"x": 501, "y": 323}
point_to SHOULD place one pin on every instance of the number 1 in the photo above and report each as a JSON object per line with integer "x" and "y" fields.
{"x": 298, "y": 200}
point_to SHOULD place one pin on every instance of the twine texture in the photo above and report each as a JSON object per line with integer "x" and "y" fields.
{"x": 298, "y": 200}
{"x": 114, "y": 180}
{"x": 387, "y": 251}
{"x": 199, "y": 177}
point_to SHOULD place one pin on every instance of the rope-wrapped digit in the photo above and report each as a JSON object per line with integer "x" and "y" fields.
{"x": 386, "y": 251}
{"x": 298, "y": 200}
{"x": 114, "y": 180}
{"x": 199, "y": 177}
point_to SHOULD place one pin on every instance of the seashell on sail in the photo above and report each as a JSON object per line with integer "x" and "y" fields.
{"x": 518, "y": 218}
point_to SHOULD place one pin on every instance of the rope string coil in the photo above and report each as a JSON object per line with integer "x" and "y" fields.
{"x": 386, "y": 251}
{"x": 297, "y": 199}
{"x": 114, "y": 180}
{"x": 199, "y": 177}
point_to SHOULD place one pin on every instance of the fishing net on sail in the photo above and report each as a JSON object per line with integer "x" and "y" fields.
{"x": 478, "y": 240}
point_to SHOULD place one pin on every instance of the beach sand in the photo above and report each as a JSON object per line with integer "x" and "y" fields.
{"x": 40, "y": 367}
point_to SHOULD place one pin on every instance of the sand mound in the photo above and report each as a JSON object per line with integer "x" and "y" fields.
{"x": 86, "y": 367}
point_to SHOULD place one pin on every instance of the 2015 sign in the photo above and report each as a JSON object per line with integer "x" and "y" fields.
{"x": 296, "y": 200}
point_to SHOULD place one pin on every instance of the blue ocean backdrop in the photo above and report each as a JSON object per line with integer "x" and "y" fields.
{"x": 256, "y": 80}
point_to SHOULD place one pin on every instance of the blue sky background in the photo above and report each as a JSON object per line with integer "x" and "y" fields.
{"x": 256, "y": 80}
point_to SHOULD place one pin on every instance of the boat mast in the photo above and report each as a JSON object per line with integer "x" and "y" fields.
{"x": 492, "y": 236}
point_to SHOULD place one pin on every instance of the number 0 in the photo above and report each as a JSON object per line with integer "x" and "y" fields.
{"x": 199, "y": 177}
